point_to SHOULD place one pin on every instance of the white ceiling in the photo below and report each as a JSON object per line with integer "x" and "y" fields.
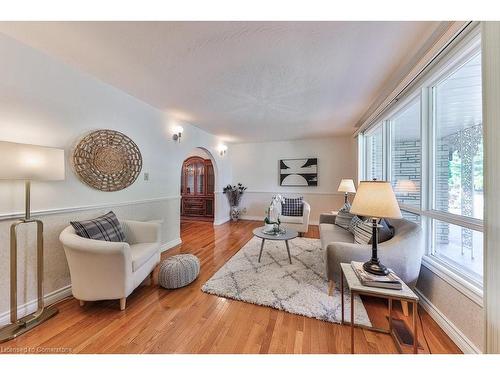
{"x": 245, "y": 81}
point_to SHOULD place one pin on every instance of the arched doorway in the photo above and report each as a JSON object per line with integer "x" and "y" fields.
{"x": 197, "y": 187}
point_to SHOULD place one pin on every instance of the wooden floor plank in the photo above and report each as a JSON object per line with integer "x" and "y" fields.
{"x": 189, "y": 321}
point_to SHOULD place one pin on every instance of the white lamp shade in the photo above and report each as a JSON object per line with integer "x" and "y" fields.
{"x": 347, "y": 186}
{"x": 376, "y": 199}
{"x": 29, "y": 162}
{"x": 406, "y": 186}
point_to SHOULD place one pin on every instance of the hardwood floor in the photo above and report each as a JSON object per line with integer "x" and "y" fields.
{"x": 189, "y": 321}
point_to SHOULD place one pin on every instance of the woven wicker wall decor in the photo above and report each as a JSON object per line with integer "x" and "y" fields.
{"x": 107, "y": 160}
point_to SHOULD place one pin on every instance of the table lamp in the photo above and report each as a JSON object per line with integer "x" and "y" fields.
{"x": 375, "y": 199}
{"x": 346, "y": 186}
{"x": 28, "y": 163}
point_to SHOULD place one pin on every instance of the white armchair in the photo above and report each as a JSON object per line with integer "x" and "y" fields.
{"x": 299, "y": 223}
{"x": 103, "y": 270}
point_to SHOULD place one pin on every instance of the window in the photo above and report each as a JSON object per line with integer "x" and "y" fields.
{"x": 459, "y": 141}
{"x": 374, "y": 154}
{"x": 458, "y": 166}
{"x": 459, "y": 247}
{"x": 437, "y": 128}
{"x": 406, "y": 154}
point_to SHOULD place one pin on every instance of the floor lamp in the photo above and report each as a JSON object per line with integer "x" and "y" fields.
{"x": 28, "y": 163}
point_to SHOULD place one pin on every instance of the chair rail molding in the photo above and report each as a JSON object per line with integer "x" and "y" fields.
{"x": 490, "y": 38}
{"x": 54, "y": 211}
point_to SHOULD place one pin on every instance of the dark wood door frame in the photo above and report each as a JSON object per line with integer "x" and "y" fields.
{"x": 197, "y": 200}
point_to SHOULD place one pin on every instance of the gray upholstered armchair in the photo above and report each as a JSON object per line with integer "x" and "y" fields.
{"x": 402, "y": 253}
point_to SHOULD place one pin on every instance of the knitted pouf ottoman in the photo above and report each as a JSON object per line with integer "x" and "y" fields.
{"x": 178, "y": 271}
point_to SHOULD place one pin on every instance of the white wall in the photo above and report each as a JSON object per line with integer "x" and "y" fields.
{"x": 43, "y": 101}
{"x": 199, "y": 152}
{"x": 46, "y": 102}
{"x": 256, "y": 166}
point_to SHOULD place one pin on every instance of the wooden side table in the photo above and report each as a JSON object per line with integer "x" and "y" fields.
{"x": 356, "y": 288}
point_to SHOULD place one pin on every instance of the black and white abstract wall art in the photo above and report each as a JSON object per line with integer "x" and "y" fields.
{"x": 299, "y": 172}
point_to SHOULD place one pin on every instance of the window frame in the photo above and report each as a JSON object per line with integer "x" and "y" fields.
{"x": 464, "y": 52}
{"x": 400, "y": 108}
{"x": 381, "y": 125}
{"x": 457, "y": 56}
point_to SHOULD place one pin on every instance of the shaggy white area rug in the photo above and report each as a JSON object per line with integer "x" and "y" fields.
{"x": 299, "y": 288}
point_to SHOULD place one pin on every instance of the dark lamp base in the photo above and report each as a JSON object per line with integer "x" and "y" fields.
{"x": 376, "y": 268}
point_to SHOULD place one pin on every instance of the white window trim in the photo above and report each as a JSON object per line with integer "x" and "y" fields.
{"x": 442, "y": 269}
{"x": 361, "y": 158}
{"x": 445, "y": 272}
{"x": 457, "y": 56}
{"x": 461, "y": 54}
{"x": 369, "y": 132}
{"x": 405, "y": 104}
{"x": 461, "y": 221}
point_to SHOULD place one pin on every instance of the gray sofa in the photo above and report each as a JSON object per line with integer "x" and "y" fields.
{"x": 402, "y": 253}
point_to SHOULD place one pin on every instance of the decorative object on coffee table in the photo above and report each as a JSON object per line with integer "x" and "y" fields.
{"x": 107, "y": 160}
{"x": 178, "y": 271}
{"x": 357, "y": 289}
{"x": 287, "y": 235}
{"x": 28, "y": 163}
{"x": 233, "y": 194}
{"x": 375, "y": 199}
{"x": 346, "y": 186}
{"x": 272, "y": 220}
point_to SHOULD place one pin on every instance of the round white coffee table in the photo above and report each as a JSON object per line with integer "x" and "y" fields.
{"x": 290, "y": 234}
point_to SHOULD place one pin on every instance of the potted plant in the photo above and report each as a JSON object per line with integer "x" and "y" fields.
{"x": 233, "y": 194}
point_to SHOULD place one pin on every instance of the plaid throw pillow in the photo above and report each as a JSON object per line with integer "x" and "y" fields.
{"x": 344, "y": 216}
{"x": 104, "y": 228}
{"x": 292, "y": 207}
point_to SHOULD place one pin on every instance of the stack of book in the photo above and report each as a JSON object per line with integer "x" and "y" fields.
{"x": 391, "y": 281}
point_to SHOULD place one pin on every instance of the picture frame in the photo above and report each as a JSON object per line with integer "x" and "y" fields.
{"x": 298, "y": 172}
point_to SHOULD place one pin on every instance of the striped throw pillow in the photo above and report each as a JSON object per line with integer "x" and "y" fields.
{"x": 104, "y": 228}
{"x": 362, "y": 232}
{"x": 355, "y": 220}
{"x": 344, "y": 217}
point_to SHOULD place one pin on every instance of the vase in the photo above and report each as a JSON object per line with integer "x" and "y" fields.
{"x": 234, "y": 213}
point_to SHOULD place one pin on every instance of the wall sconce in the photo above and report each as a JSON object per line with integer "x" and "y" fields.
{"x": 177, "y": 133}
{"x": 222, "y": 150}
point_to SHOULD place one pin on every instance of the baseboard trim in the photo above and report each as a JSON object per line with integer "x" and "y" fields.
{"x": 303, "y": 192}
{"x": 455, "y": 334}
{"x": 261, "y": 218}
{"x": 31, "y": 306}
{"x": 221, "y": 221}
{"x": 170, "y": 244}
